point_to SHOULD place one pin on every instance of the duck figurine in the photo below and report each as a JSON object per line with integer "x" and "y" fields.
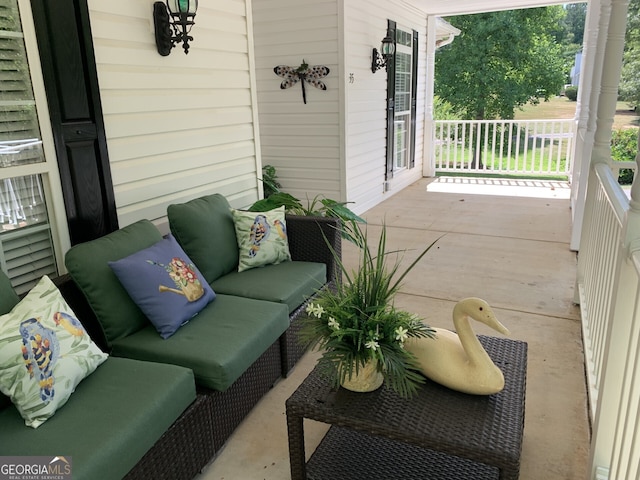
{"x": 458, "y": 361}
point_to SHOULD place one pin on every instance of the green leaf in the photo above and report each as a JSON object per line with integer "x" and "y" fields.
{"x": 276, "y": 200}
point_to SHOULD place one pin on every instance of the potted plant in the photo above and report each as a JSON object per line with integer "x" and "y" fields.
{"x": 358, "y": 328}
{"x": 319, "y": 206}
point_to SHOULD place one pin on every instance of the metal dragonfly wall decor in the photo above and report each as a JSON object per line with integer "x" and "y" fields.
{"x": 304, "y": 73}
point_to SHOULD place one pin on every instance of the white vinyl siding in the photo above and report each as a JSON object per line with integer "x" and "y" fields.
{"x": 180, "y": 126}
{"x": 365, "y": 26}
{"x": 335, "y": 144}
{"x": 303, "y": 141}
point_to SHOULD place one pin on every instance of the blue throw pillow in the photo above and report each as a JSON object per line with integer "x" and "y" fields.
{"x": 165, "y": 285}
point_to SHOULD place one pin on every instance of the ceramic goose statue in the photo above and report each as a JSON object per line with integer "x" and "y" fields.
{"x": 459, "y": 361}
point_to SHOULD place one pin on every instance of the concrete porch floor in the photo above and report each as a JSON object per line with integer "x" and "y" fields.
{"x": 506, "y": 241}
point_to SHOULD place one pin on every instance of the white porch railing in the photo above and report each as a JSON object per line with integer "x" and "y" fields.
{"x": 609, "y": 294}
{"x": 532, "y": 147}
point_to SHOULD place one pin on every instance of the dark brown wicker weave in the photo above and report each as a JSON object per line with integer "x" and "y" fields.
{"x": 484, "y": 429}
{"x": 230, "y": 407}
{"x": 183, "y": 450}
{"x": 384, "y": 459}
{"x": 308, "y": 238}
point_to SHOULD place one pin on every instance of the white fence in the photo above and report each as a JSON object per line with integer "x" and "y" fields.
{"x": 609, "y": 295}
{"x": 532, "y": 147}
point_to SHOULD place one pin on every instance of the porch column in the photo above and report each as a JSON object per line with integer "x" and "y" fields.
{"x": 588, "y": 91}
{"x": 613, "y": 25}
{"x": 428, "y": 159}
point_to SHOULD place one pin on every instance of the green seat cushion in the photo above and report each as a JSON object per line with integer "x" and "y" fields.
{"x": 112, "y": 419}
{"x": 290, "y": 283}
{"x": 204, "y": 228}
{"x": 88, "y": 265}
{"x": 219, "y": 344}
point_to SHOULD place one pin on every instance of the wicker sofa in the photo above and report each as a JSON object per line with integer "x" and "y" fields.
{"x": 223, "y": 400}
{"x": 121, "y": 413}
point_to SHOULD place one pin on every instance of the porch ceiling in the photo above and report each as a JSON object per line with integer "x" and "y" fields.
{"x": 462, "y": 7}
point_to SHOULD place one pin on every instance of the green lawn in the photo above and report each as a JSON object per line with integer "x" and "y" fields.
{"x": 525, "y": 160}
{"x": 561, "y": 107}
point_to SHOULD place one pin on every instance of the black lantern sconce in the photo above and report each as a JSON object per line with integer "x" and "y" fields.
{"x": 173, "y": 21}
{"x": 388, "y": 48}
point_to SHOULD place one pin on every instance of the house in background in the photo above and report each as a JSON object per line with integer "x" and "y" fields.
{"x": 575, "y": 70}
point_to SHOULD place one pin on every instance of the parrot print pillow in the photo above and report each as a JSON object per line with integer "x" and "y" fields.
{"x": 164, "y": 284}
{"x": 45, "y": 353}
{"x": 262, "y": 238}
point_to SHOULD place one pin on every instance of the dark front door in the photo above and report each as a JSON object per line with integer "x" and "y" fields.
{"x": 68, "y": 63}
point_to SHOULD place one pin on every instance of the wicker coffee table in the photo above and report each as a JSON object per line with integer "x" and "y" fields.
{"x": 438, "y": 434}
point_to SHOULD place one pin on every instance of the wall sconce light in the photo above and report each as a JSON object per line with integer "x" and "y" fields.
{"x": 387, "y": 48}
{"x": 173, "y": 21}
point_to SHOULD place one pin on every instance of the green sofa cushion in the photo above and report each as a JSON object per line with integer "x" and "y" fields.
{"x": 88, "y": 265}
{"x": 109, "y": 423}
{"x": 8, "y": 297}
{"x": 290, "y": 283}
{"x": 225, "y": 339}
{"x": 204, "y": 228}
{"x": 8, "y": 300}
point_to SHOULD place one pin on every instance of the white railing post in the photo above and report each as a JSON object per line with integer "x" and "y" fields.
{"x": 613, "y": 23}
{"x": 519, "y": 148}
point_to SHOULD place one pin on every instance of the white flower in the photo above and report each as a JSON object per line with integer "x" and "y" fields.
{"x": 315, "y": 310}
{"x": 372, "y": 344}
{"x": 333, "y": 324}
{"x": 401, "y": 334}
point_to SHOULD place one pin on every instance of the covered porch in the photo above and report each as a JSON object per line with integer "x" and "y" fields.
{"x": 506, "y": 241}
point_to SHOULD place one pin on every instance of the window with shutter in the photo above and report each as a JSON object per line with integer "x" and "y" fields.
{"x": 26, "y": 245}
{"x": 401, "y": 100}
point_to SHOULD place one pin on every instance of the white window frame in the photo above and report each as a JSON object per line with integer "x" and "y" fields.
{"x": 401, "y": 161}
{"x": 48, "y": 170}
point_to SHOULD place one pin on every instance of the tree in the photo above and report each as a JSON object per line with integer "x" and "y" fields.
{"x": 629, "y": 88}
{"x": 574, "y": 22}
{"x": 501, "y": 61}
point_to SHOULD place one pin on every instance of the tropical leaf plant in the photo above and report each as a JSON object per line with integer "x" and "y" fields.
{"x": 319, "y": 206}
{"x": 357, "y": 322}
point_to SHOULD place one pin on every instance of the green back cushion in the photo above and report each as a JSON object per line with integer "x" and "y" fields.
{"x": 8, "y": 300}
{"x": 8, "y": 297}
{"x": 204, "y": 228}
{"x": 88, "y": 266}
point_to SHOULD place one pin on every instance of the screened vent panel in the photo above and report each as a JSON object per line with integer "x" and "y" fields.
{"x": 27, "y": 255}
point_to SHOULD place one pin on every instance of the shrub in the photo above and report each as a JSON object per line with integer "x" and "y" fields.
{"x": 444, "y": 110}
{"x": 571, "y": 93}
{"x": 624, "y": 146}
